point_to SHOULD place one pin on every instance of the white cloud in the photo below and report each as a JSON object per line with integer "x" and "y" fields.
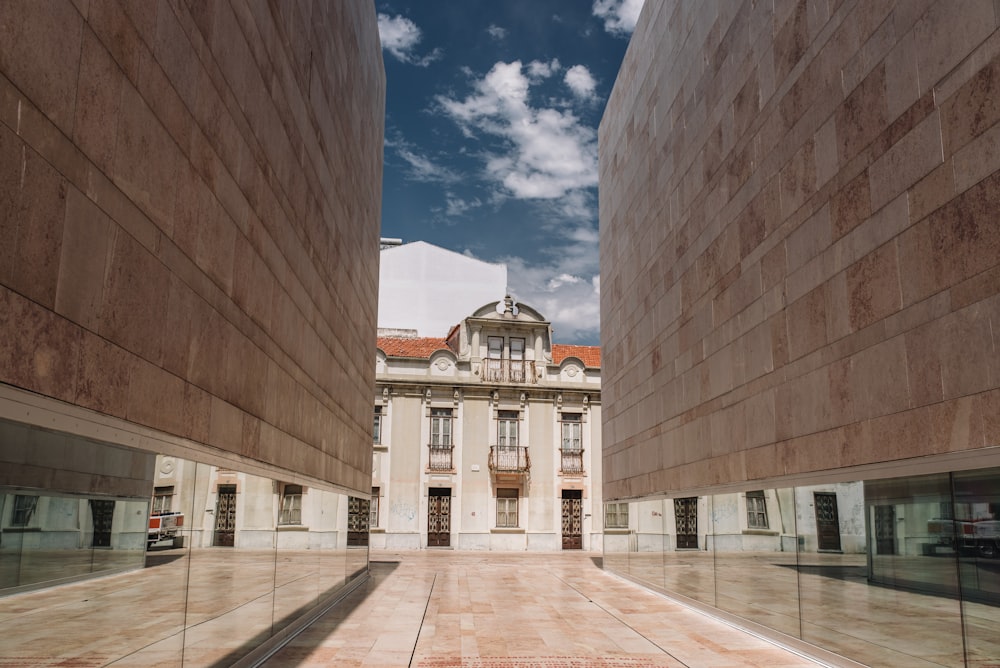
{"x": 423, "y": 168}
{"x": 620, "y": 16}
{"x": 400, "y": 37}
{"x": 581, "y": 82}
{"x": 539, "y": 70}
{"x": 549, "y": 153}
{"x": 570, "y": 301}
{"x": 496, "y": 32}
{"x": 456, "y": 206}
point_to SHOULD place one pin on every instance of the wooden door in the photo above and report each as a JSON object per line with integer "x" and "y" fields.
{"x": 827, "y": 521}
{"x": 439, "y": 517}
{"x": 686, "y": 520}
{"x": 225, "y": 517}
{"x": 885, "y": 529}
{"x": 572, "y": 519}
{"x": 358, "y": 516}
{"x": 102, "y": 512}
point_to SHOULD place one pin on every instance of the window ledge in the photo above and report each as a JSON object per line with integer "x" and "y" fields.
{"x": 376, "y": 530}
{"x": 380, "y": 448}
{"x": 617, "y": 532}
{"x": 760, "y": 532}
{"x": 441, "y": 471}
{"x": 292, "y": 527}
{"x": 21, "y": 529}
{"x": 506, "y": 530}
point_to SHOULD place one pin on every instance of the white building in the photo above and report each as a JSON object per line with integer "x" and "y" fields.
{"x": 488, "y": 438}
{"x": 429, "y": 289}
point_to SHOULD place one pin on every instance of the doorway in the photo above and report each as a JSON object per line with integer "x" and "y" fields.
{"x": 225, "y": 517}
{"x": 686, "y": 519}
{"x": 102, "y": 512}
{"x": 572, "y": 519}
{"x": 439, "y": 517}
{"x": 358, "y": 516}
{"x": 827, "y": 521}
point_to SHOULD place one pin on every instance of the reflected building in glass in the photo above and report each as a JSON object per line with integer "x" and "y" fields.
{"x": 799, "y": 256}
{"x": 189, "y": 202}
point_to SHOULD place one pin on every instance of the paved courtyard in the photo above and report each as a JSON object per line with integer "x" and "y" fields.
{"x": 446, "y": 609}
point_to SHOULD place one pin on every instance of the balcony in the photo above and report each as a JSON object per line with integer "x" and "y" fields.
{"x": 572, "y": 461}
{"x": 441, "y": 458}
{"x": 509, "y": 459}
{"x": 509, "y": 371}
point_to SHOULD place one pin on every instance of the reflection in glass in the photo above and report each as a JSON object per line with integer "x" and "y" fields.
{"x": 973, "y": 530}
{"x": 213, "y": 561}
{"x": 755, "y": 543}
{"x": 884, "y": 572}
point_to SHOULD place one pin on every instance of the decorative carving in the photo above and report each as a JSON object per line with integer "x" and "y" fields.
{"x": 524, "y": 397}
{"x": 385, "y": 394}
{"x": 427, "y": 394}
{"x": 456, "y": 396}
{"x": 167, "y": 466}
{"x": 571, "y": 371}
{"x": 442, "y": 364}
{"x": 559, "y": 400}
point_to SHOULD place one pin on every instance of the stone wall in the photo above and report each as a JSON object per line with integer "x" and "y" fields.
{"x": 189, "y": 208}
{"x": 800, "y": 254}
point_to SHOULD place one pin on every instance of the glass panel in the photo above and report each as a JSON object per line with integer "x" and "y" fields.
{"x": 976, "y": 532}
{"x": 755, "y": 567}
{"x": 495, "y": 344}
{"x": 866, "y": 569}
{"x": 213, "y": 557}
{"x": 649, "y": 544}
{"x": 517, "y": 349}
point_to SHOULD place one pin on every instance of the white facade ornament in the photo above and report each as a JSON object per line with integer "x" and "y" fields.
{"x": 443, "y": 364}
{"x": 571, "y": 371}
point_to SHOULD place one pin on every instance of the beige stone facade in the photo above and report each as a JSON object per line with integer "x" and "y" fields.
{"x": 190, "y": 202}
{"x": 487, "y": 439}
{"x": 799, "y": 306}
{"x": 188, "y": 208}
{"x": 799, "y": 247}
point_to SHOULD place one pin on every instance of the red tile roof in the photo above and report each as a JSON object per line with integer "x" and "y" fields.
{"x": 589, "y": 355}
{"x": 406, "y": 347}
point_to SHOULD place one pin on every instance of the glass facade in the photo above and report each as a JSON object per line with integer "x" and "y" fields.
{"x": 207, "y": 562}
{"x": 896, "y": 571}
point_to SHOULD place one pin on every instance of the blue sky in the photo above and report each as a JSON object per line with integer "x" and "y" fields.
{"x": 492, "y": 111}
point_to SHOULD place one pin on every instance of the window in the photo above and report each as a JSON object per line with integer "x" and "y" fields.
{"x": 507, "y": 428}
{"x": 616, "y": 516}
{"x": 495, "y": 347}
{"x": 506, "y": 508}
{"x": 163, "y": 498}
{"x": 24, "y": 508}
{"x": 377, "y": 430}
{"x": 517, "y": 349}
{"x": 441, "y": 428}
{"x": 571, "y": 426}
{"x": 291, "y": 505}
{"x": 756, "y": 510}
{"x": 373, "y": 522}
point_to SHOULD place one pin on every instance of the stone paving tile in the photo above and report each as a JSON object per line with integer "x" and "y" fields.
{"x": 449, "y": 609}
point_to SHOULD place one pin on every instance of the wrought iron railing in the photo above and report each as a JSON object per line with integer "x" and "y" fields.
{"x": 572, "y": 461}
{"x": 509, "y": 459}
{"x": 441, "y": 458}
{"x": 509, "y": 371}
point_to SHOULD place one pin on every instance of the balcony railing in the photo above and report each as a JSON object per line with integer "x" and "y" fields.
{"x": 509, "y": 459}
{"x": 440, "y": 459}
{"x": 572, "y": 461}
{"x": 509, "y": 371}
